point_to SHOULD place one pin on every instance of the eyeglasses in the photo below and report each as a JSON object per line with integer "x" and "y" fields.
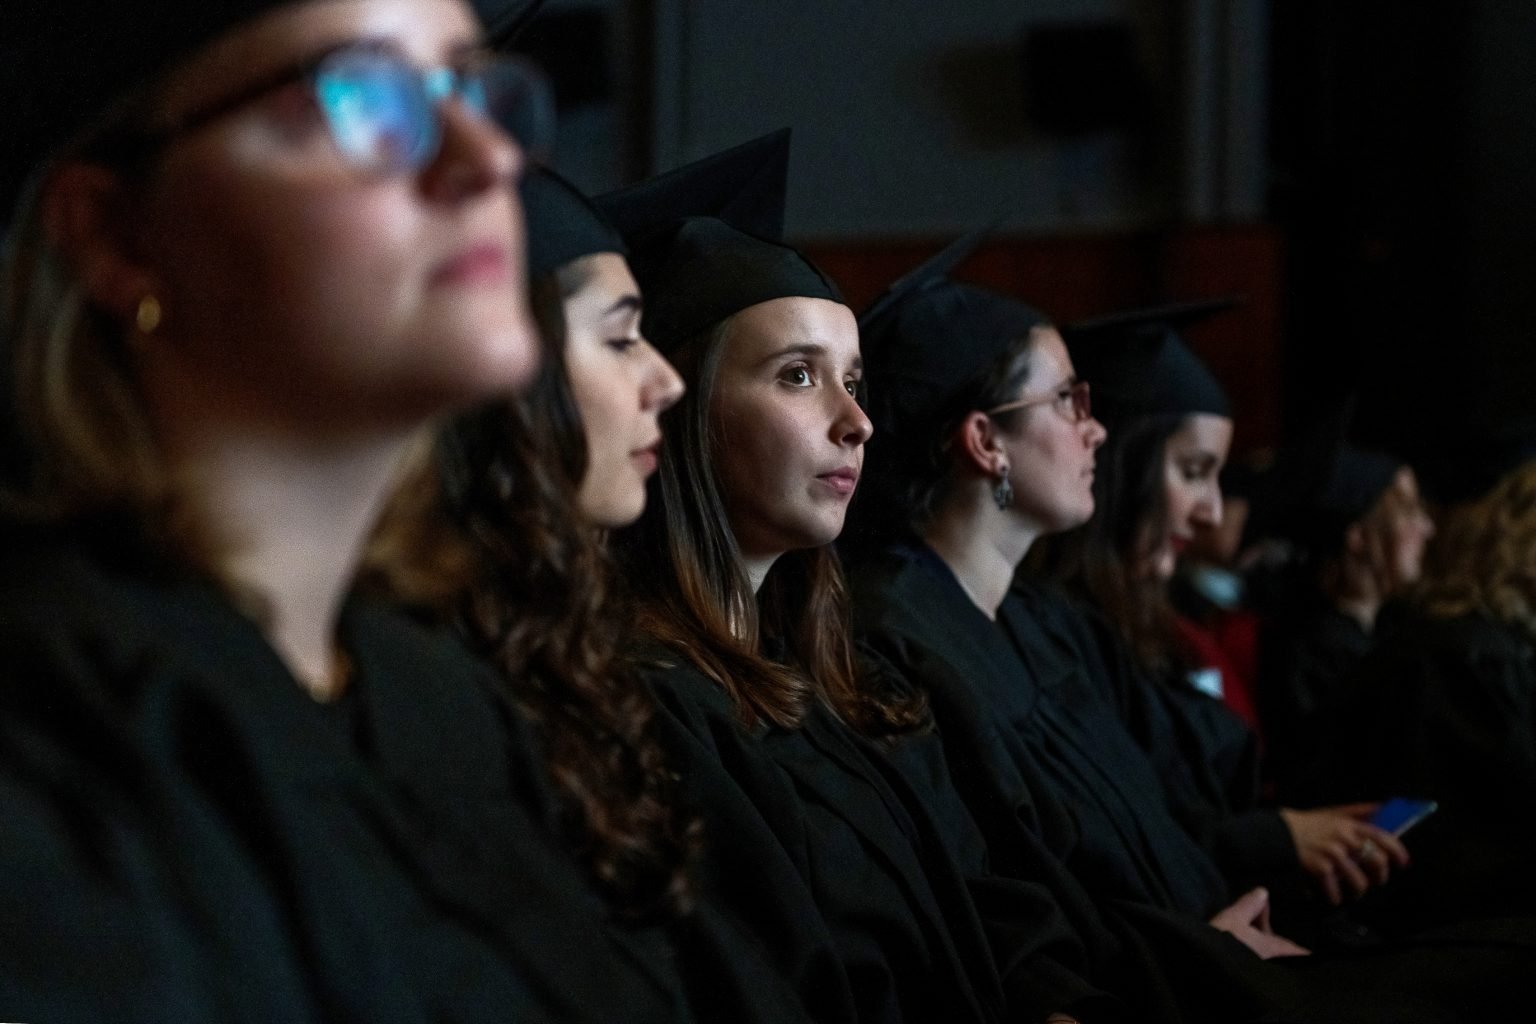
{"x": 384, "y": 113}
{"x": 1071, "y": 400}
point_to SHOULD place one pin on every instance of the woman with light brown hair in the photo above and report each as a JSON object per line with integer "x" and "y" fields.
{"x": 264, "y": 246}
{"x": 742, "y": 628}
{"x": 1357, "y": 532}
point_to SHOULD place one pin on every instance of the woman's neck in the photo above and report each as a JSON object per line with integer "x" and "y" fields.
{"x": 1362, "y": 610}
{"x": 296, "y": 515}
{"x": 757, "y": 567}
{"x": 1352, "y": 587}
{"x": 982, "y": 546}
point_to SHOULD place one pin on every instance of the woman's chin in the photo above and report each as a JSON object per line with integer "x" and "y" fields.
{"x": 1158, "y": 566}
{"x": 613, "y": 511}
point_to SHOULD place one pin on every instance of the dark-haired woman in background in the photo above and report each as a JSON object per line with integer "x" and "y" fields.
{"x": 274, "y": 242}
{"x": 740, "y": 606}
{"x": 520, "y": 560}
{"x": 1222, "y": 574}
{"x": 1358, "y": 532}
{"x": 1444, "y": 709}
{"x": 1170, "y": 428}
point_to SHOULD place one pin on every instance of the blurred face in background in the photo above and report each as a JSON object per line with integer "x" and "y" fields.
{"x": 1393, "y": 535}
{"x": 1192, "y": 459}
{"x": 1219, "y": 544}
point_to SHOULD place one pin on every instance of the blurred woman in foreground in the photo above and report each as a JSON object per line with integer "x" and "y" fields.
{"x": 266, "y": 247}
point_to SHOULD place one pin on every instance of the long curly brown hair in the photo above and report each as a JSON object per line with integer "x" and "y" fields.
{"x": 776, "y": 652}
{"x": 1483, "y": 558}
{"x": 527, "y": 579}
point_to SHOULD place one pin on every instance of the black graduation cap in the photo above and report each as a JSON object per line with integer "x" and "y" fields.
{"x": 563, "y": 224}
{"x": 1138, "y": 365}
{"x": 63, "y": 63}
{"x": 1351, "y": 481}
{"x": 1322, "y": 483}
{"x": 927, "y": 337}
{"x": 706, "y": 240}
{"x": 1357, "y": 478}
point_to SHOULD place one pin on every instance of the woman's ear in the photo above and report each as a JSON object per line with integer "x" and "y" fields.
{"x": 82, "y": 210}
{"x": 977, "y": 444}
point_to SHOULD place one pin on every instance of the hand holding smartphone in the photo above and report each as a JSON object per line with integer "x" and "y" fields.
{"x": 1400, "y": 814}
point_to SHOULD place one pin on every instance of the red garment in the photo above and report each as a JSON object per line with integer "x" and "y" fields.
{"x": 1229, "y": 644}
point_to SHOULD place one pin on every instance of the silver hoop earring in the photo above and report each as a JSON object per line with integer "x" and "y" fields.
{"x": 1002, "y": 491}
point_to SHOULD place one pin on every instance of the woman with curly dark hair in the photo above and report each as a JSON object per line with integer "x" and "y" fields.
{"x": 535, "y": 482}
{"x": 532, "y": 487}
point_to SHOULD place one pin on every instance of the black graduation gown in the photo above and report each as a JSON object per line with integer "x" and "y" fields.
{"x": 1445, "y": 709}
{"x": 1041, "y": 957}
{"x": 913, "y": 616}
{"x": 188, "y": 836}
{"x": 857, "y": 862}
{"x": 1306, "y": 655}
{"x": 1206, "y": 758}
{"x": 1046, "y": 727}
{"x": 745, "y": 870}
{"x": 1061, "y": 794}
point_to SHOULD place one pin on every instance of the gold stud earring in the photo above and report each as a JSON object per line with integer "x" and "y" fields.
{"x": 147, "y": 317}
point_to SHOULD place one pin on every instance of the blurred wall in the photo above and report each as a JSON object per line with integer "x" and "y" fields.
{"x": 1121, "y": 145}
{"x": 1404, "y": 163}
{"x": 916, "y": 118}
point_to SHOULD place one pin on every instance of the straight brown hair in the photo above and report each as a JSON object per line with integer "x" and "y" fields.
{"x": 775, "y": 653}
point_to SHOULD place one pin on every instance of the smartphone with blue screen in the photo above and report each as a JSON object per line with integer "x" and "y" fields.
{"x": 1400, "y": 814}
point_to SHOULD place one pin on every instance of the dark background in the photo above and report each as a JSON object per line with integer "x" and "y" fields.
{"x": 1362, "y": 172}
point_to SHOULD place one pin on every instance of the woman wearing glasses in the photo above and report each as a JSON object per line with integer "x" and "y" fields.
{"x": 985, "y": 436}
{"x": 264, "y": 246}
{"x": 985, "y": 445}
{"x": 1170, "y": 429}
